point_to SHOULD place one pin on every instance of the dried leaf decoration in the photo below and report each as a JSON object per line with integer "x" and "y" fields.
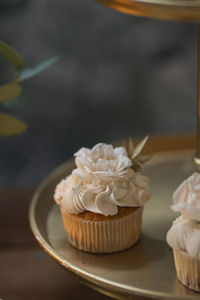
{"x": 138, "y": 148}
{"x": 10, "y": 125}
{"x": 9, "y": 92}
{"x": 134, "y": 153}
{"x": 11, "y": 55}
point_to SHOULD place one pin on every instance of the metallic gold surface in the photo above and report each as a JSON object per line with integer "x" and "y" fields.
{"x": 197, "y": 154}
{"x": 197, "y": 162}
{"x": 146, "y": 269}
{"x": 180, "y": 10}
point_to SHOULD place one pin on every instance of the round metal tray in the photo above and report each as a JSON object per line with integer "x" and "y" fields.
{"x": 146, "y": 269}
{"x": 180, "y": 10}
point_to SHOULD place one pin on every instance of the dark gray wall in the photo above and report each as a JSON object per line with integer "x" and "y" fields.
{"x": 120, "y": 76}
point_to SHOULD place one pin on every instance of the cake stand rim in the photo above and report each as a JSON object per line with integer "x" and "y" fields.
{"x": 177, "y": 10}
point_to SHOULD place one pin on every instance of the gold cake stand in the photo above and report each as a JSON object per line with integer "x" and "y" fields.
{"x": 146, "y": 269}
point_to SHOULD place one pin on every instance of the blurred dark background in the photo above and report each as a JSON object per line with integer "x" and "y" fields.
{"x": 119, "y": 76}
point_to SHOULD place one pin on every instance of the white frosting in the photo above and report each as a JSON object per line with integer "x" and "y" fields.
{"x": 184, "y": 234}
{"x": 187, "y": 198}
{"x": 102, "y": 181}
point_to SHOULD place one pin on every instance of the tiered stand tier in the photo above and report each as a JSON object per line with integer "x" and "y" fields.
{"x": 147, "y": 269}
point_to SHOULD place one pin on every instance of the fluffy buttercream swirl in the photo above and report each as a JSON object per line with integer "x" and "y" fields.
{"x": 184, "y": 235}
{"x": 186, "y": 198}
{"x": 102, "y": 181}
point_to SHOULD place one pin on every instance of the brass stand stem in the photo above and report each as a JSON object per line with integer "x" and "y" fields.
{"x": 197, "y": 155}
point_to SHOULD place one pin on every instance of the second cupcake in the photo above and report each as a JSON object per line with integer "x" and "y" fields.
{"x": 184, "y": 234}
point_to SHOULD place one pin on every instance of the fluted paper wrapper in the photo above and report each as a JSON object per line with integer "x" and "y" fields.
{"x": 187, "y": 269}
{"x": 103, "y": 236}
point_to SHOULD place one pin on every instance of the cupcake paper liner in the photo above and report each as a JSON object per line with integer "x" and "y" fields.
{"x": 187, "y": 269}
{"x": 103, "y": 236}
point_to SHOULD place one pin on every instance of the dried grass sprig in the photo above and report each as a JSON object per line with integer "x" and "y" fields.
{"x": 134, "y": 153}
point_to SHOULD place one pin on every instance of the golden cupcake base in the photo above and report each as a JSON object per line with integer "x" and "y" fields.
{"x": 109, "y": 235}
{"x": 188, "y": 269}
{"x": 147, "y": 268}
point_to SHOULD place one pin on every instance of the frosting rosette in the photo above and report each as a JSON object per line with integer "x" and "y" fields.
{"x": 186, "y": 198}
{"x": 102, "y": 181}
{"x": 103, "y": 161}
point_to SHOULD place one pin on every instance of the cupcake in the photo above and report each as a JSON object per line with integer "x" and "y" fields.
{"x": 184, "y": 234}
{"x": 102, "y": 200}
